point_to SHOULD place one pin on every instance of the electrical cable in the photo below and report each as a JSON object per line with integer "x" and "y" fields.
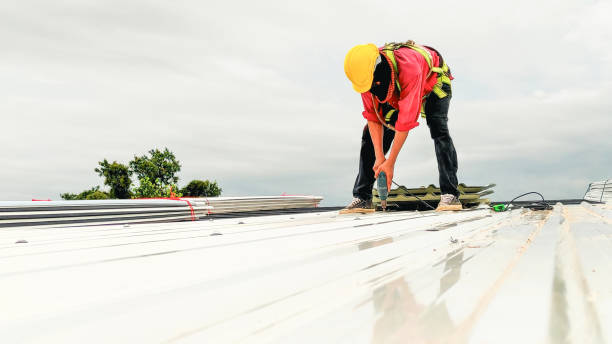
{"x": 540, "y": 205}
{"x": 417, "y": 197}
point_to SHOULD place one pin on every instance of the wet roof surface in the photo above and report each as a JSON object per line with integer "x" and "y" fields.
{"x": 406, "y": 277}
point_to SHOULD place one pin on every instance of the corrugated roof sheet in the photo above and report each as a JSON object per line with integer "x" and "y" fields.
{"x": 405, "y": 277}
{"x": 599, "y": 191}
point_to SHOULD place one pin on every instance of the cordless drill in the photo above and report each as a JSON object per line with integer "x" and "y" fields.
{"x": 383, "y": 191}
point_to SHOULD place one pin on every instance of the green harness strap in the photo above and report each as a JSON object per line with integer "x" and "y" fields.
{"x": 389, "y": 115}
{"x": 443, "y": 75}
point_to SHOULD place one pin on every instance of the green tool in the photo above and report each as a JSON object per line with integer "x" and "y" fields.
{"x": 383, "y": 191}
{"x": 499, "y": 207}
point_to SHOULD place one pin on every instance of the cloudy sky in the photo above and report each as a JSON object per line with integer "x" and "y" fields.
{"x": 253, "y": 93}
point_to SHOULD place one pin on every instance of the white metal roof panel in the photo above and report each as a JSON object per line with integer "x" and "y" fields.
{"x": 466, "y": 277}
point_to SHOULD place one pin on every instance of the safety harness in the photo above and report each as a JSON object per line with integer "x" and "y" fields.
{"x": 443, "y": 71}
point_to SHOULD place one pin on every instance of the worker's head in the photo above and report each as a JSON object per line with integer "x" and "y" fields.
{"x": 369, "y": 70}
{"x": 382, "y": 84}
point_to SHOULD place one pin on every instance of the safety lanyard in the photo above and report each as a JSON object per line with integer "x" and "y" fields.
{"x": 382, "y": 121}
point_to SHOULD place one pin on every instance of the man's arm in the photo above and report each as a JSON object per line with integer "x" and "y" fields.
{"x": 376, "y": 133}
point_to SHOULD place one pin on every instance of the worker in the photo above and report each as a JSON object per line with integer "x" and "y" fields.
{"x": 398, "y": 82}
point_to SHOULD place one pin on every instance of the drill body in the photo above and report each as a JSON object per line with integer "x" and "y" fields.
{"x": 383, "y": 191}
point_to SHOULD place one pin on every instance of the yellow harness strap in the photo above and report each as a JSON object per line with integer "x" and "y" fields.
{"x": 443, "y": 75}
{"x": 389, "y": 115}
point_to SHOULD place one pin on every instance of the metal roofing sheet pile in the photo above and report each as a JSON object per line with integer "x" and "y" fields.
{"x": 599, "y": 191}
{"x": 473, "y": 276}
{"x": 224, "y": 205}
{"x": 413, "y": 198}
{"x": 53, "y": 213}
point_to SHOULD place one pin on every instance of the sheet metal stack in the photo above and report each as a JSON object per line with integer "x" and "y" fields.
{"x": 403, "y": 198}
{"x": 226, "y": 205}
{"x": 98, "y": 212}
{"x": 56, "y": 213}
{"x": 599, "y": 191}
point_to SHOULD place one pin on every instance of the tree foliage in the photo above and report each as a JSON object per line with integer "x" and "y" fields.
{"x": 161, "y": 165}
{"x": 93, "y": 193}
{"x": 150, "y": 189}
{"x": 117, "y": 177}
{"x": 201, "y": 188}
{"x": 156, "y": 173}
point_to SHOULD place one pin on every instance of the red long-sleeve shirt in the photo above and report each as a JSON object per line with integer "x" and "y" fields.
{"x": 413, "y": 69}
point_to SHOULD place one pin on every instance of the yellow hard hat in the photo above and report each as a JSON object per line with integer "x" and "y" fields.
{"x": 359, "y": 65}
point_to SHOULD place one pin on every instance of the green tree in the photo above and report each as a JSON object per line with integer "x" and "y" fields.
{"x": 117, "y": 176}
{"x": 158, "y": 164}
{"x": 93, "y": 193}
{"x": 199, "y": 188}
{"x": 148, "y": 189}
{"x": 156, "y": 174}
{"x": 98, "y": 195}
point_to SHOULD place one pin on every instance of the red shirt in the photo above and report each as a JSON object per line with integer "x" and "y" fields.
{"x": 413, "y": 69}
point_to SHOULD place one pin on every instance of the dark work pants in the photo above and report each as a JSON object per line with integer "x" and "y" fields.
{"x": 436, "y": 111}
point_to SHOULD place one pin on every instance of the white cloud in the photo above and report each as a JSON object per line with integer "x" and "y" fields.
{"x": 253, "y": 93}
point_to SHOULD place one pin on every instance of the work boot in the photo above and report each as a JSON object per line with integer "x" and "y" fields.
{"x": 358, "y": 205}
{"x": 449, "y": 202}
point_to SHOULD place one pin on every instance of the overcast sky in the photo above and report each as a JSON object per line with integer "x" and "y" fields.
{"x": 253, "y": 93}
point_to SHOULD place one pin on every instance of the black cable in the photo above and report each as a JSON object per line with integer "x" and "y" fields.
{"x": 542, "y": 203}
{"x": 417, "y": 197}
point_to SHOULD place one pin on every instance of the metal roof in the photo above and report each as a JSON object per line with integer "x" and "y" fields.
{"x": 473, "y": 276}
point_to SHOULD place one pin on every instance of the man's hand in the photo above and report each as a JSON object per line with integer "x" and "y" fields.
{"x": 388, "y": 166}
{"x": 378, "y": 163}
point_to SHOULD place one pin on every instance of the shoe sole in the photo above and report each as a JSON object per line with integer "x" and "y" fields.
{"x": 356, "y": 210}
{"x": 449, "y": 207}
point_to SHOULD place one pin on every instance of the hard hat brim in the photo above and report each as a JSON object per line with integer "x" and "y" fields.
{"x": 363, "y": 88}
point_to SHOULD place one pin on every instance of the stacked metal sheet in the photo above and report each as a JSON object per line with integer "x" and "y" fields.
{"x": 599, "y": 191}
{"x": 225, "y": 205}
{"x": 55, "y": 213}
{"x": 414, "y": 198}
